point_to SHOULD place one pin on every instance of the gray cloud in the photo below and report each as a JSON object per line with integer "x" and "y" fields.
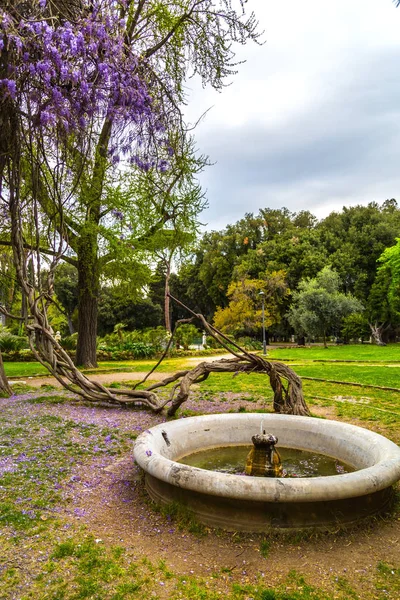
{"x": 340, "y": 146}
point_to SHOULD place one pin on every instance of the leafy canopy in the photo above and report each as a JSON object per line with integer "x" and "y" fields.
{"x": 243, "y": 315}
{"x": 318, "y": 307}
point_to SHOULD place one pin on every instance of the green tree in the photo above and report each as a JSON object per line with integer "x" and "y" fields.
{"x": 390, "y": 259}
{"x": 318, "y": 307}
{"x": 117, "y": 306}
{"x": 383, "y": 304}
{"x": 378, "y": 308}
{"x": 355, "y": 326}
{"x": 167, "y": 244}
{"x": 74, "y": 178}
{"x": 354, "y": 240}
{"x": 243, "y": 315}
{"x": 186, "y": 334}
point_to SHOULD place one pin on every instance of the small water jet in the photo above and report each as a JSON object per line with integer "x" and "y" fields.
{"x": 248, "y": 503}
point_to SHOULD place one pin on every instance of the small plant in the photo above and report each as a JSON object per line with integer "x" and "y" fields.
{"x": 69, "y": 342}
{"x": 183, "y": 517}
{"x": 265, "y": 547}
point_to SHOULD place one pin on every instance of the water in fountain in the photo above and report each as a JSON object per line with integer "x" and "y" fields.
{"x": 295, "y": 463}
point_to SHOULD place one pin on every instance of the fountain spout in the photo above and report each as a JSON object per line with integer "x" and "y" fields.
{"x": 263, "y": 459}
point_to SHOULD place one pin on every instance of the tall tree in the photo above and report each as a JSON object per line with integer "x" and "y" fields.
{"x": 355, "y": 238}
{"x": 5, "y": 389}
{"x": 383, "y": 305}
{"x": 390, "y": 259}
{"x": 166, "y": 246}
{"x": 243, "y": 315}
{"x": 97, "y": 84}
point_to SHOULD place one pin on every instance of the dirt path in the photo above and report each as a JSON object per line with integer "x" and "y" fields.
{"x": 100, "y": 378}
{"x": 120, "y": 376}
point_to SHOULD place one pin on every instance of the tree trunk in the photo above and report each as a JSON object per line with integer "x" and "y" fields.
{"x": 377, "y": 331}
{"x": 287, "y": 400}
{"x": 70, "y": 324}
{"x": 88, "y": 289}
{"x": 167, "y": 313}
{"x": 5, "y": 389}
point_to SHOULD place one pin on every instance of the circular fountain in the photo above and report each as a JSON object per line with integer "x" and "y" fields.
{"x": 247, "y": 503}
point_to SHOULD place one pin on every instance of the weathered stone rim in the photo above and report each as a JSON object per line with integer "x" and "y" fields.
{"x": 376, "y": 457}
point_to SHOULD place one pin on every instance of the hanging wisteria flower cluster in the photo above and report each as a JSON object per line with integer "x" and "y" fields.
{"x": 66, "y": 74}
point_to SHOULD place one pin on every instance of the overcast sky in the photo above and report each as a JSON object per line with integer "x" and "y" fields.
{"x": 312, "y": 120}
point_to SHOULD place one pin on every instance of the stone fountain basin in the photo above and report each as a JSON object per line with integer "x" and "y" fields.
{"x": 244, "y": 503}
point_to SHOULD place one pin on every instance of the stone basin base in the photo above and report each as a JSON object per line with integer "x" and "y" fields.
{"x": 244, "y": 503}
{"x": 240, "y": 515}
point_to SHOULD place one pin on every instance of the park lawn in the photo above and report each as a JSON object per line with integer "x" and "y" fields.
{"x": 371, "y": 375}
{"x": 357, "y": 352}
{"x": 367, "y": 375}
{"x": 24, "y": 369}
{"x": 361, "y": 352}
{"x": 47, "y": 441}
{"x": 33, "y": 369}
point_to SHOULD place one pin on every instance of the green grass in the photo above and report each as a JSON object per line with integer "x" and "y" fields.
{"x": 366, "y": 375}
{"x": 40, "y": 453}
{"x": 360, "y": 352}
{"x": 24, "y": 369}
{"x": 79, "y": 569}
{"x": 32, "y": 369}
{"x": 259, "y": 383}
{"x": 357, "y": 352}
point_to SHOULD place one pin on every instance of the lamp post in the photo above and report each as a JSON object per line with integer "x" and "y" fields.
{"x": 262, "y": 294}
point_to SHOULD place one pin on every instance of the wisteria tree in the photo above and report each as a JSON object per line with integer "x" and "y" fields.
{"x": 89, "y": 89}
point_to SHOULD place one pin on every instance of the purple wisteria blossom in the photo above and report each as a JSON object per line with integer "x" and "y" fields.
{"x": 64, "y": 74}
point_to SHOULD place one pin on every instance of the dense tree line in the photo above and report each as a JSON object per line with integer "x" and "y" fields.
{"x": 346, "y": 264}
{"x": 298, "y": 246}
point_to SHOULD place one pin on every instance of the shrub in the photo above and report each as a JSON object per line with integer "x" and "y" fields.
{"x": 10, "y": 342}
{"x": 249, "y": 343}
{"x": 139, "y": 349}
{"x": 212, "y": 342}
{"x": 69, "y": 342}
{"x": 142, "y": 344}
{"x": 186, "y": 334}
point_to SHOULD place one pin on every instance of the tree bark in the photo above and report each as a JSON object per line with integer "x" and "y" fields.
{"x": 377, "y": 331}
{"x": 5, "y": 389}
{"x": 70, "y": 324}
{"x": 166, "y": 299}
{"x": 287, "y": 400}
{"x": 88, "y": 289}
